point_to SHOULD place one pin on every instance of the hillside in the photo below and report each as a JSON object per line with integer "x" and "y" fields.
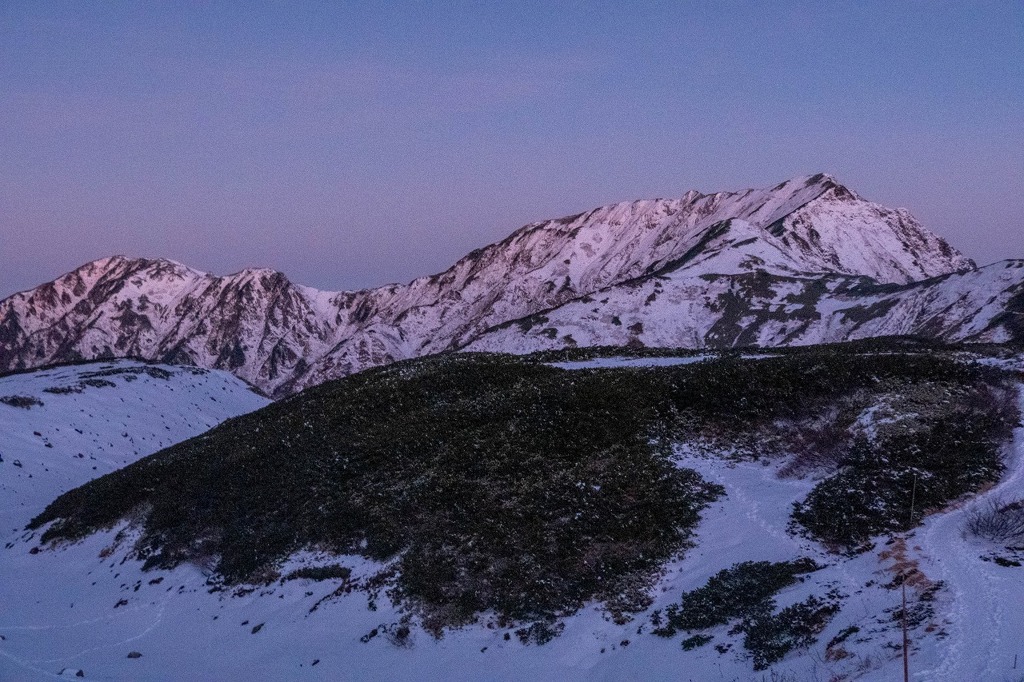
{"x": 557, "y": 515}
{"x": 283, "y": 337}
{"x": 62, "y": 426}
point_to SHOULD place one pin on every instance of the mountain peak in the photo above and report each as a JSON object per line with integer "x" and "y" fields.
{"x": 254, "y": 273}
{"x": 816, "y": 185}
{"x": 828, "y": 182}
{"x": 120, "y": 262}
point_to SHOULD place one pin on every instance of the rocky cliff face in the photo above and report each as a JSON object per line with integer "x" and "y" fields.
{"x": 809, "y": 237}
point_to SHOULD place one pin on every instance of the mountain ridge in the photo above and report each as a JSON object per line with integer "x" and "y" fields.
{"x": 282, "y": 336}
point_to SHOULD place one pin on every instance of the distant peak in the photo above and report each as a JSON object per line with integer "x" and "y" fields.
{"x": 828, "y": 182}
{"x": 132, "y": 264}
{"x": 820, "y": 179}
{"x": 260, "y": 277}
{"x": 801, "y": 181}
{"x": 102, "y": 265}
{"x": 253, "y": 273}
{"x": 120, "y": 259}
{"x": 813, "y": 186}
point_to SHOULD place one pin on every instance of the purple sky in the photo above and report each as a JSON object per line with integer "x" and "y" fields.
{"x": 349, "y": 145}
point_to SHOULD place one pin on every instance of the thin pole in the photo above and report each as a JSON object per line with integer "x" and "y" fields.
{"x": 906, "y": 640}
{"x": 913, "y": 499}
{"x": 903, "y": 619}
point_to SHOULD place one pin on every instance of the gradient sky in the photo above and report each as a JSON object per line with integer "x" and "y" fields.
{"x": 350, "y": 144}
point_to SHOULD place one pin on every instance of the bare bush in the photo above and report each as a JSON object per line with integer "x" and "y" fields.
{"x": 815, "y": 444}
{"x": 997, "y": 520}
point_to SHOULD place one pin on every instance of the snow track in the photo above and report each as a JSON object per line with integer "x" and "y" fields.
{"x": 984, "y": 629}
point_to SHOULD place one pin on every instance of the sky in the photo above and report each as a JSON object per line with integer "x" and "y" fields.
{"x": 351, "y": 144}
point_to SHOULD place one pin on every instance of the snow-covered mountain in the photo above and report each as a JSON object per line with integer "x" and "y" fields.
{"x": 283, "y": 337}
{"x": 724, "y": 311}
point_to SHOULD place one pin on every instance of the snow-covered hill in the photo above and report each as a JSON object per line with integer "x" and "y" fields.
{"x": 283, "y": 337}
{"x": 63, "y": 426}
{"x": 88, "y": 609}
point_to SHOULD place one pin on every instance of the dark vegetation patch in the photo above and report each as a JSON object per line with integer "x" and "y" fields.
{"x": 80, "y": 386}
{"x": 23, "y": 401}
{"x": 745, "y": 596}
{"x": 540, "y": 632}
{"x": 696, "y": 641}
{"x": 64, "y": 390}
{"x": 485, "y": 482}
{"x": 488, "y": 482}
{"x": 731, "y": 594}
{"x": 843, "y": 635}
{"x": 93, "y": 361}
{"x": 329, "y": 572}
{"x": 887, "y": 344}
{"x": 769, "y": 637}
{"x": 950, "y": 445}
{"x": 149, "y": 370}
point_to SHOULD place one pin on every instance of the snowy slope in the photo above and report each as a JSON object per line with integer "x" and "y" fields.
{"x": 716, "y": 311}
{"x": 183, "y": 628}
{"x": 89, "y": 420}
{"x": 283, "y": 337}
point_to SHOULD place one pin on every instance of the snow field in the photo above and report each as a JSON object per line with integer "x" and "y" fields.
{"x": 86, "y": 606}
{"x": 83, "y": 431}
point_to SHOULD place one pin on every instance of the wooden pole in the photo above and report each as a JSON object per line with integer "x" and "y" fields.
{"x": 903, "y": 620}
{"x": 906, "y": 639}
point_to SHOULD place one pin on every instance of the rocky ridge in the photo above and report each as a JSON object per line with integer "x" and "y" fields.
{"x": 805, "y": 261}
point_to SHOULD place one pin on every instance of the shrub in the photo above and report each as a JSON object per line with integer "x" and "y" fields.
{"x": 23, "y": 401}
{"x": 951, "y": 447}
{"x": 733, "y": 593}
{"x": 64, "y": 390}
{"x": 843, "y": 635}
{"x": 997, "y": 520}
{"x": 329, "y": 572}
{"x": 539, "y": 633}
{"x": 770, "y": 637}
{"x": 492, "y": 483}
{"x": 744, "y": 594}
{"x": 696, "y": 641}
